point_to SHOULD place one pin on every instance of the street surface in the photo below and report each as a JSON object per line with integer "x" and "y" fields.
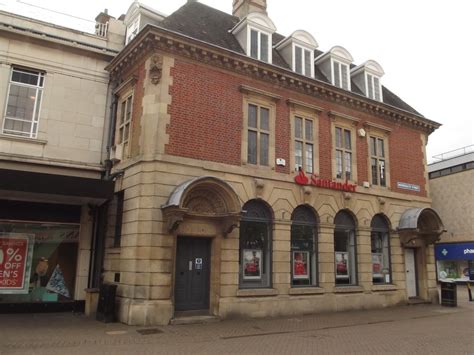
{"x": 418, "y": 329}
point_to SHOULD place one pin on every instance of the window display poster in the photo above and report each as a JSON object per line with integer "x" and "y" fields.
{"x": 300, "y": 265}
{"x": 15, "y": 262}
{"x": 377, "y": 264}
{"x": 252, "y": 264}
{"x": 453, "y": 270}
{"x": 341, "y": 265}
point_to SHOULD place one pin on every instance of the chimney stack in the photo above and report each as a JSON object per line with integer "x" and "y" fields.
{"x": 241, "y": 8}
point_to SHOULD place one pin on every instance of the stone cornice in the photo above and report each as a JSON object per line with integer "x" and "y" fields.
{"x": 153, "y": 38}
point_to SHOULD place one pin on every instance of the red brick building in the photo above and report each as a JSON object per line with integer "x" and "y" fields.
{"x": 261, "y": 176}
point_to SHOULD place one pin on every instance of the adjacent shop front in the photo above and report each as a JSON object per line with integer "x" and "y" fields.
{"x": 49, "y": 239}
{"x": 455, "y": 261}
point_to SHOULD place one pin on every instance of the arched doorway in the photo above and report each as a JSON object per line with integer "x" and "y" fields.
{"x": 419, "y": 229}
{"x": 199, "y": 213}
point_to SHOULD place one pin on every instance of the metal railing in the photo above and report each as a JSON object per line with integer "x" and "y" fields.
{"x": 454, "y": 153}
{"x": 101, "y": 29}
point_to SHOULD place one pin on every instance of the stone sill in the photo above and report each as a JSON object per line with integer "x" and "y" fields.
{"x": 114, "y": 250}
{"x": 257, "y": 292}
{"x": 307, "y": 291}
{"x": 348, "y": 289}
{"x": 390, "y": 287}
{"x": 23, "y": 139}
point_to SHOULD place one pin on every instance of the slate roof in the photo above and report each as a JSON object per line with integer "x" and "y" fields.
{"x": 204, "y": 23}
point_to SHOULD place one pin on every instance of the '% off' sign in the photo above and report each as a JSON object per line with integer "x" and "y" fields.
{"x": 13, "y": 254}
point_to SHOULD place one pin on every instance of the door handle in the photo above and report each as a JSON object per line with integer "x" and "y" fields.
{"x": 190, "y": 265}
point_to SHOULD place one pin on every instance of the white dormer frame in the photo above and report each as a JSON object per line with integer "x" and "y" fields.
{"x": 132, "y": 29}
{"x": 372, "y": 73}
{"x": 338, "y": 72}
{"x": 262, "y": 25}
{"x": 133, "y": 19}
{"x": 306, "y": 42}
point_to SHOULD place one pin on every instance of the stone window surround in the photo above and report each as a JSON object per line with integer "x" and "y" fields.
{"x": 345, "y": 122}
{"x": 301, "y": 109}
{"x": 382, "y": 132}
{"x": 123, "y": 92}
{"x": 259, "y": 98}
{"x": 36, "y": 111}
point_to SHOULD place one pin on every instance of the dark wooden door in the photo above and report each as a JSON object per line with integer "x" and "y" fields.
{"x": 193, "y": 260}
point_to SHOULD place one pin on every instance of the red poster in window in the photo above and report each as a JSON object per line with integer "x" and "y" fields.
{"x": 300, "y": 264}
{"x": 13, "y": 258}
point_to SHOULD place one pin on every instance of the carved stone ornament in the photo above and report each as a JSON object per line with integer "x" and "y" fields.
{"x": 156, "y": 69}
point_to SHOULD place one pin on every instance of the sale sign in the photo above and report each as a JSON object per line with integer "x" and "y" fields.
{"x": 15, "y": 252}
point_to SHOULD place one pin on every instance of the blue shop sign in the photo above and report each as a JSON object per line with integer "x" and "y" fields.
{"x": 457, "y": 251}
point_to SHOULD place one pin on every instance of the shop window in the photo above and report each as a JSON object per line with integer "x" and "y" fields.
{"x": 345, "y": 249}
{"x": 303, "y": 247}
{"x": 255, "y": 245}
{"x": 380, "y": 245}
{"x": 24, "y": 103}
{"x": 258, "y": 134}
{"x": 124, "y": 124}
{"x": 344, "y": 153}
{"x": 304, "y": 144}
{"x": 378, "y": 164}
{"x": 38, "y": 262}
{"x": 119, "y": 196}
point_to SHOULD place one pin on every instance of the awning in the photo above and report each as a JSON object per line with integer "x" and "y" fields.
{"x": 204, "y": 197}
{"x": 23, "y": 184}
{"x": 420, "y": 226}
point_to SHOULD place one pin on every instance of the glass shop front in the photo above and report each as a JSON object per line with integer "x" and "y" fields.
{"x": 38, "y": 262}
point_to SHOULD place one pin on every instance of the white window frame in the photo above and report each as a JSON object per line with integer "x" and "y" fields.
{"x": 304, "y": 142}
{"x": 39, "y": 87}
{"x": 344, "y": 151}
{"x": 335, "y": 62}
{"x": 122, "y": 137}
{"x": 259, "y": 40}
{"x": 132, "y": 30}
{"x": 370, "y": 86}
{"x": 303, "y": 60}
{"x": 378, "y": 158}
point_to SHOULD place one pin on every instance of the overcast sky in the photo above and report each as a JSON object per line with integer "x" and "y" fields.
{"x": 425, "y": 47}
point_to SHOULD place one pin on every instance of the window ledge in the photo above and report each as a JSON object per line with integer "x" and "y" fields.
{"x": 389, "y": 287}
{"x": 22, "y": 139}
{"x": 257, "y": 292}
{"x": 307, "y": 291}
{"x": 348, "y": 289}
{"x": 114, "y": 250}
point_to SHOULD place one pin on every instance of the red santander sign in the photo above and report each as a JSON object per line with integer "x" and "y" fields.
{"x": 13, "y": 257}
{"x": 313, "y": 180}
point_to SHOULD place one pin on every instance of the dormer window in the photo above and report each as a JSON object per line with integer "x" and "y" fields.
{"x": 132, "y": 30}
{"x": 373, "y": 86}
{"x": 367, "y": 78}
{"x": 259, "y": 46}
{"x": 254, "y": 34}
{"x": 340, "y": 75}
{"x": 137, "y": 17}
{"x": 298, "y": 51}
{"x": 303, "y": 63}
{"x": 335, "y": 65}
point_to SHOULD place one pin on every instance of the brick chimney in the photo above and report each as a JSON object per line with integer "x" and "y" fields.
{"x": 241, "y": 8}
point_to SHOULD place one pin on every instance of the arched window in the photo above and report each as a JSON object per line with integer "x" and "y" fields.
{"x": 303, "y": 247}
{"x": 380, "y": 244}
{"x": 345, "y": 252}
{"x": 255, "y": 245}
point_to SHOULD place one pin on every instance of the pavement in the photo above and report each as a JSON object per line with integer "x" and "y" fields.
{"x": 414, "y": 329}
